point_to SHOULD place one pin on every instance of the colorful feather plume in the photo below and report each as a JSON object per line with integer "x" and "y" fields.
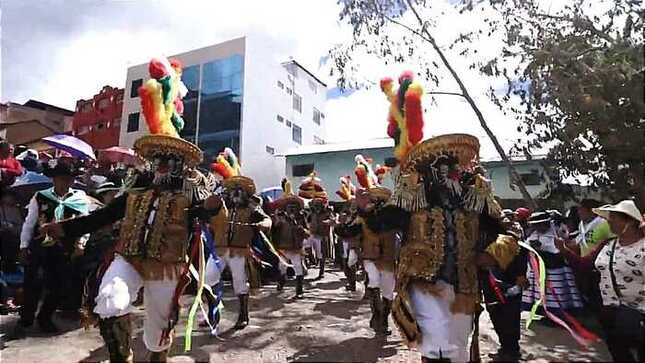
{"x": 381, "y": 171}
{"x": 364, "y": 173}
{"x": 226, "y": 164}
{"x": 405, "y": 116}
{"x": 286, "y": 187}
{"x": 347, "y": 189}
{"x": 161, "y": 97}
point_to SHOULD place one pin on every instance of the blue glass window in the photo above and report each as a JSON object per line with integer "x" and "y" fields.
{"x": 190, "y": 77}
{"x": 220, "y": 109}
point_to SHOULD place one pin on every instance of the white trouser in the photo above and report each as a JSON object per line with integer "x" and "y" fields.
{"x": 316, "y": 245}
{"x": 379, "y": 278}
{"x": 345, "y": 249}
{"x": 118, "y": 290}
{"x": 443, "y": 333}
{"x": 296, "y": 260}
{"x": 237, "y": 265}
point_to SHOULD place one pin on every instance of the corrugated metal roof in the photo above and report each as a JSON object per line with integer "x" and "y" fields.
{"x": 343, "y": 146}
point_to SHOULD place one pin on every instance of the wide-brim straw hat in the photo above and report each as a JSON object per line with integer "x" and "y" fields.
{"x": 150, "y": 145}
{"x": 247, "y": 184}
{"x": 539, "y": 218}
{"x": 627, "y": 207}
{"x": 463, "y": 147}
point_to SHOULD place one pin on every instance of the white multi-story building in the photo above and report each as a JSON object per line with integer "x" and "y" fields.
{"x": 241, "y": 98}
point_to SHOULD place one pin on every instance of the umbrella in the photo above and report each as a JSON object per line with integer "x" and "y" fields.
{"x": 117, "y": 154}
{"x": 29, "y": 183}
{"x": 75, "y": 146}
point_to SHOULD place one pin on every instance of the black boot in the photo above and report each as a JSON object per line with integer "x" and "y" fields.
{"x": 375, "y": 306}
{"x": 321, "y": 270}
{"x": 157, "y": 357}
{"x": 430, "y": 360}
{"x": 243, "y": 318}
{"x": 350, "y": 272}
{"x": 385, "y": 315}
{"x": 116, "y": 333}
{"x": 299, "y": 289}
{"x": 281, "y": 281}
{"x": 46, "y": 325}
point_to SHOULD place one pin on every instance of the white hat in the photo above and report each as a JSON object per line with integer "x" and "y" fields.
{"x": 626, "y": 207}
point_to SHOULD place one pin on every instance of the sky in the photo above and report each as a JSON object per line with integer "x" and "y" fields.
{"x": 61, "y": 51}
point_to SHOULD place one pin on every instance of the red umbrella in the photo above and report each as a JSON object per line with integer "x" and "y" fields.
{"x": 117, "y": 154}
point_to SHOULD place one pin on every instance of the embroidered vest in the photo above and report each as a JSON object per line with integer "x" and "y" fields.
{"x": 166, "y": 237}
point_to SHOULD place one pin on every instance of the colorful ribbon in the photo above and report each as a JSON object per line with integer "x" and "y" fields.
{"x": 198, "y": 297}
{"x": 578, "y": 332}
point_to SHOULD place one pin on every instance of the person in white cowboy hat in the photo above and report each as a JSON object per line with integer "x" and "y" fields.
{"x": 620, "y": 262}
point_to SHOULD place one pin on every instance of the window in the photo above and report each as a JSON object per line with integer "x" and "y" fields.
{"x": 103, "y": 103}
{"x": 134, "y": 88}
{"x": 313, "y": 87}
{"x": 296, "y": 133}
{"x": 302, "y": 170}
{"x": 318, "y": 140}
{"x": 297, "y": 102}
{"x": 289, "y": 91}
{"x": 270, "y": 150}
{"x": 133, "y": 122}
{"x": 280, "y": 118}
{"x": 317, "y": 116}
{"x": 280, "y": 85}
{"x": 531, "y": 178}
{"x": 220, "y": 106}
{"x": 288, "y": 123}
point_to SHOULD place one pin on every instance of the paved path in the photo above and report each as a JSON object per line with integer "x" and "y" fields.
{"x": 329, "y": 325}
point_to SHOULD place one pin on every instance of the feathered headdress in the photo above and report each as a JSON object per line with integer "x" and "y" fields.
{"x": 228, "y": 167}
{"x": 287, "y": 196}
{"x": 311, "y": 188}
{"x": 364, "y": 173}
{"x": 161, "y": 97}
{"x": 347, "y": 190}
{"x": 381, "y": 171}
{"x": 226, "y": 164}
{"x": 405, "y": 117}
{"x": 162, "y": 106}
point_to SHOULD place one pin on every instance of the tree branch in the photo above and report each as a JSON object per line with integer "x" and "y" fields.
{"x": 525, "y": 194}
{"x": 446, "y": 93}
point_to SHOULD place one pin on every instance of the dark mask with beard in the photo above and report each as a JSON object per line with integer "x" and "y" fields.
{"x": 167, "y": 172}
{"x": 237, "y": 198}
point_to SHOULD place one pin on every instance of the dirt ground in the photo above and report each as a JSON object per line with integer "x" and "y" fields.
{"x": 329, "y": 325}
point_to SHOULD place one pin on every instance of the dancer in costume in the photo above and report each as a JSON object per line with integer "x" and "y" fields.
{"x": 320, "y": 219}
{"x": 288, "y": 233}
{"x": 237, "y": 224}
{"x": 346, "y": 217}
{"x": 376, "y": 244}
{"x": 160, "y": 208}
{"x": 451, "y": 224}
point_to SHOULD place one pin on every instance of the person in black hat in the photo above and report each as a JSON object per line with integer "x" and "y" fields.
{"x": 40, "y": 251}
{"x": 562, "y": 293}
